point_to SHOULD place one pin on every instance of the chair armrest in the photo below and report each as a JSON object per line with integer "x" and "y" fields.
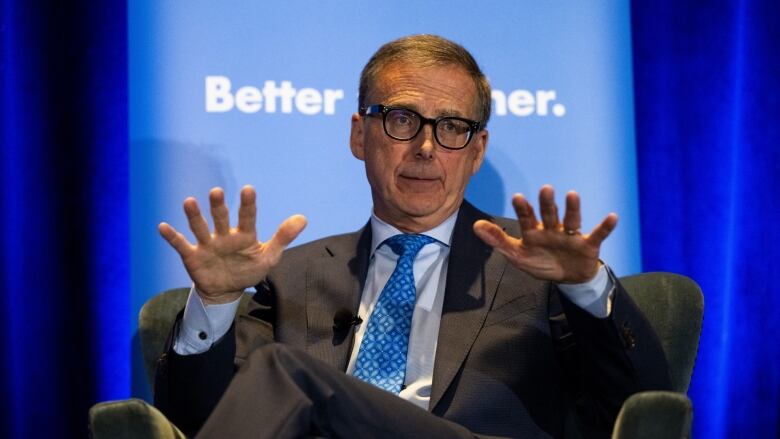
{"x": 130, "y": 419}
{"x": 654, "y": 414}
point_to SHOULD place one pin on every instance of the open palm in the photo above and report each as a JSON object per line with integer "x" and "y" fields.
{"x": 224, "y": 263}
{"x": 550, "y": 250}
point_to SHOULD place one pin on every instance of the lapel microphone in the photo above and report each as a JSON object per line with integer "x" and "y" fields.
{"x": 344, "y": 319}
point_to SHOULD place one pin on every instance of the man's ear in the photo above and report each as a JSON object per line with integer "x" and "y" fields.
{"x": 479, "y": 145}
{"x": 356, "y": 137}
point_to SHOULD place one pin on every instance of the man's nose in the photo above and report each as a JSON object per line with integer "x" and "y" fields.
{"x": 427, "y": 142}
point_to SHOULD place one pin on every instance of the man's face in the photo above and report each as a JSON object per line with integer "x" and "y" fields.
{"x": 417, "y": 184}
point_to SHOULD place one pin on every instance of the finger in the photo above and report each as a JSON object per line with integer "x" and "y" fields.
{"x": 547, "y": 208}
{"x": 572, "y": 219}
{"x": 197, "y": 223}
{"x": 247, "y": 212}
{"x": 285, "y": 234}
{"x": 175, "y": 239}
{"x": 495, "y": 236}
{"x": 532, "y": 214}
{"x": 525, "y": 212}
{"x": 219, "y": 211}
{"x": 602, "y": 231}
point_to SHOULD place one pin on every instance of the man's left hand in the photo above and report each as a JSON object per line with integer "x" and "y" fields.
{"x": 550, "y": 250}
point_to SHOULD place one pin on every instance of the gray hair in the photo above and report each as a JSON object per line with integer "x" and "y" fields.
{"x": 425, "y": 51}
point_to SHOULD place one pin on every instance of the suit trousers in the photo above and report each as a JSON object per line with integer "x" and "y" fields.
{"x": 281, "y": 392}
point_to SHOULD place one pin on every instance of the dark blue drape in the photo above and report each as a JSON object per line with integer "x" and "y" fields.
{"x": 707, "y": 107}
{"x": 64, "y": 285}
{"x": 707, "y": 85}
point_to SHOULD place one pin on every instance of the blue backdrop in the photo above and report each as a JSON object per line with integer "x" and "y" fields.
{"x": 203, "y": 113}
{"x": 707, "y": 85}
{"x": 88, "y": 168}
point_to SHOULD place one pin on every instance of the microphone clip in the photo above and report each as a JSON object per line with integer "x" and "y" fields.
{"x": 344, "y": 319}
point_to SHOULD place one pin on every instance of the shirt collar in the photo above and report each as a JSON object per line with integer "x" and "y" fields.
{"x": 380, "y": 231}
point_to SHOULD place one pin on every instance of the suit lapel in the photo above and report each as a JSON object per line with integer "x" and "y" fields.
{"x": 473, "y": 274}
{"x": 334, "y": 281}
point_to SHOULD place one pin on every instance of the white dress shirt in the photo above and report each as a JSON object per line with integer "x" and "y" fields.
{"x": 203, "y": 325}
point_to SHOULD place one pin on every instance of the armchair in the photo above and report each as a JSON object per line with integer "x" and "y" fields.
{"x": 673, "y": 304}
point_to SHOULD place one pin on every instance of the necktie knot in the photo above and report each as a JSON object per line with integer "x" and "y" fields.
{"x": 408, "y": 245}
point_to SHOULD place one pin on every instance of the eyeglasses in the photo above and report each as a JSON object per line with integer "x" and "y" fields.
{"x": 404, "y": 124}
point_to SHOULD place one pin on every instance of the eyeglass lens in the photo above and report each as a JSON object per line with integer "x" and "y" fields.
{"x": 405, "y": 124}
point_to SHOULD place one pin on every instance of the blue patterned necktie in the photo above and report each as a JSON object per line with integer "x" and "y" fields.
{"x": 381, "y": 360}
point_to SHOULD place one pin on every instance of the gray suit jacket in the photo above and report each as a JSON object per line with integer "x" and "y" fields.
{"x": 514, "y": 358}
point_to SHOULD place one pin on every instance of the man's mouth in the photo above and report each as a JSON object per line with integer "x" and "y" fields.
{"x": 419, "y": 182}
{"x": 418, "y": 177}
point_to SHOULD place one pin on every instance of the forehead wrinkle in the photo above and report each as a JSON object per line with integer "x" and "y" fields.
{"x": 412, "y": 89}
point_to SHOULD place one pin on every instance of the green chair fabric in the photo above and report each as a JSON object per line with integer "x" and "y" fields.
{"x": 654, "y": 415}
{"x": 130, "y": 419}
{"x": 154, "y": 323}
{"x": 674, "y": 306}
{"x": 672, "y": 303}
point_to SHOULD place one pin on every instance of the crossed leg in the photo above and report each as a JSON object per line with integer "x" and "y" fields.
{"x": 281, "y": 392}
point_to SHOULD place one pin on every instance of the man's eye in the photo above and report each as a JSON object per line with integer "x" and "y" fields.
{"x": 453, "y": 126}
{"x": 448, "y": 126}
{"x": 402, "y": 118}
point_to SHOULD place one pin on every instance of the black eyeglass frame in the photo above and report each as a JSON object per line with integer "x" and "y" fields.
{"x": 377, "y": 109}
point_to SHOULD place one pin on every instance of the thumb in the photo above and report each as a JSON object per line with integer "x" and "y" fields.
{"x": 493, "y": 235}
{"x": 286, "y": 233}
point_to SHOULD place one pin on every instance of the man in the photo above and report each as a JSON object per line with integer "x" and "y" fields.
{"x": 482, "y": 326}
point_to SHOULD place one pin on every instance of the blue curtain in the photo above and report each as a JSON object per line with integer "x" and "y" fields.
{"x": 64, "y": 285}
{"x": 707, "y": 88}
{"x": 707, "y": 106}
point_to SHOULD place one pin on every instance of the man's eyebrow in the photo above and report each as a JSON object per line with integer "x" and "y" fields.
{"x": 440, "y": 113}
{"x": 404, "y": 105}
{"x": 445, "y": 113}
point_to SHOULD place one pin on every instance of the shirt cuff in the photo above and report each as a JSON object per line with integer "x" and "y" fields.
{"x": 594, "y": 296}
{"x": 203, "y": 325}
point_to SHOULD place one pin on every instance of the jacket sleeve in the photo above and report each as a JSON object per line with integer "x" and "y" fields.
{"x": 188, "y": 387}
{"x": 605, "y": 361}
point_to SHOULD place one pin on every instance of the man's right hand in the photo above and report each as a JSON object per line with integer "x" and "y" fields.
{"x": 224, "y": 263}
